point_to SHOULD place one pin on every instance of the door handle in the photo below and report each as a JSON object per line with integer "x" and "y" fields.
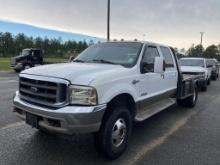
{"x": 135, "y": 82}
{"x": 162, "y": 75}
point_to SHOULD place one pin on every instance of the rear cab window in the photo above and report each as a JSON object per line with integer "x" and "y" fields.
{"x": 168, "y": 58}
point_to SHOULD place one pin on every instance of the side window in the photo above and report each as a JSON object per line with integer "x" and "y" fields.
{"x": 36, "y": 53}
{"x": 167, "y": 57}
{"x": 148, "y": 59}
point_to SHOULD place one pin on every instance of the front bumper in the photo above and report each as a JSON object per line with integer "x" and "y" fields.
{"x": 18, "y": 66}
{"x": 66, "y": 120}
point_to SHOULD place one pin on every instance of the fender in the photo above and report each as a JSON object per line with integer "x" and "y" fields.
{"x": 116, "y": 90}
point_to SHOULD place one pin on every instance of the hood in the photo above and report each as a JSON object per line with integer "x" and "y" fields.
{"x": 192, "y": 69}
{"x": 76, "y": 73}
{"x": 19, "y": 57}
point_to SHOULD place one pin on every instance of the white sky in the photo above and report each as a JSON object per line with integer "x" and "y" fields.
{"x": 173, "y": 22}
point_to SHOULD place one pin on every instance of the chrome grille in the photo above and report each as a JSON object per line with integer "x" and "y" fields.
{"x": 43, "y": 92}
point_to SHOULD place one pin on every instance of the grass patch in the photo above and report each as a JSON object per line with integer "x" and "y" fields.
{"x": 5, "y": 62}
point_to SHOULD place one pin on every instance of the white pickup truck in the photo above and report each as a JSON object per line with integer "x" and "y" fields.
{"x": 197, "y": 66}
{"x": 103, "y": 91}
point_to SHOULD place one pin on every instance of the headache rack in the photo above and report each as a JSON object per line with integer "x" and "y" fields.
{"x": 44, "y": 91}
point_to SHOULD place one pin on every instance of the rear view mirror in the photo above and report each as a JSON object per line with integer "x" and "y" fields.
{"x": 159, "y": 65}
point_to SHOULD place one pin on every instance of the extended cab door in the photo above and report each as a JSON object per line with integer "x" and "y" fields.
{"x": 170, "y": 74}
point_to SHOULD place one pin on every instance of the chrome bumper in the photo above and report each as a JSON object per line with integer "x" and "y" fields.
{"x": 71, "y": 119}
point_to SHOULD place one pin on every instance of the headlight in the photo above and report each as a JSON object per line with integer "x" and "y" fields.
{"x": 83, "y": 95}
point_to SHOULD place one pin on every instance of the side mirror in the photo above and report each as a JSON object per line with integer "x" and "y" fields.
{"x": 159, "y": 65}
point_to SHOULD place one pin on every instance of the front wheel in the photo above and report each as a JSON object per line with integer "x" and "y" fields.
{"x": 112, "y": 139}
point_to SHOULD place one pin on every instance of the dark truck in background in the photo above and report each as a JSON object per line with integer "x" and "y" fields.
{"x": 28, "y": 58}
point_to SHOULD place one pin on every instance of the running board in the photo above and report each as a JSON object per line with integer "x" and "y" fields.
{"x": 154, "y": 109}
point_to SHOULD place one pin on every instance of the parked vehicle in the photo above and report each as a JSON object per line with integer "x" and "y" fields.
{"x": 27, "y": 59}
{"x": 215, "y": 68}
{"x": 197, "y": 66}
{"x": 103, "y": 91}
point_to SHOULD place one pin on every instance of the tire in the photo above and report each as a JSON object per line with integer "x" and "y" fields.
{"x": 189, "y": 101}
{"x": 118, "y": 123}
{"x": 17, "y": 70}
{"x": 44, "y": 131}
{"x": 209, "y": 81}
{"x": 26, "y": 66}
{"x": 214, "y": 77}
{"x": 204, "y": 87}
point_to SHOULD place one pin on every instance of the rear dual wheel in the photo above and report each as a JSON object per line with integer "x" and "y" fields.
{"x": 191, "y": 100}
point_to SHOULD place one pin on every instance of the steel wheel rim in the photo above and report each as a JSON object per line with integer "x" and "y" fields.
{"x": 119, "y": 132}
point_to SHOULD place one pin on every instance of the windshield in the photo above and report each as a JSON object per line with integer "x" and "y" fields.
{"x": 119, "y": 53}
{"x": 191, "y": 62}
{"x": 211, "y": 62}
{"x": 25, "y": 52}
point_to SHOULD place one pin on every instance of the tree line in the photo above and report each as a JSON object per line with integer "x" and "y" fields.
{"x": 12, "y": 45}
{"x": 212, "y": 51}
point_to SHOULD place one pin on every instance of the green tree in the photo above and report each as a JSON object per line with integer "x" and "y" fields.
{"x": 195, "y": 51}
{"x": 211, "y": 52}
{"x": 12, "y": 45}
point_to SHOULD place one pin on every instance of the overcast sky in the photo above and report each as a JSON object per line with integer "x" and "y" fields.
{"x": 173, "y": 22}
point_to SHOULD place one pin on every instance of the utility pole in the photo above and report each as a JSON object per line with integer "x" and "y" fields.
{"x": 202, "y": 33}
{"x": 108, "y": 21}
{"x": 144, "y": 36}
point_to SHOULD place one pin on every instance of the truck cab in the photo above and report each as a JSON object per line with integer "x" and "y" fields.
{"x": 103, "y": 91}
{"x": 28, "y": 58}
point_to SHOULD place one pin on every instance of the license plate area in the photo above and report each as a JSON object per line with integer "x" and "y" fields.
{"x": 32, "y": 120}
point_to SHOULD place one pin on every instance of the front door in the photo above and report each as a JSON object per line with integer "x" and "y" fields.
{"x": 151, "y": 84}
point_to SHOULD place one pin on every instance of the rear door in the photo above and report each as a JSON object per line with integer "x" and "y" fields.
{"x": 170, "y": 74}
{"x": 36, "y": 56}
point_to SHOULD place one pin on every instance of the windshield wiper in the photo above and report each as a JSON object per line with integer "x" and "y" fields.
{"x": 104, "y": 61}
{"x": 78, "y": 61}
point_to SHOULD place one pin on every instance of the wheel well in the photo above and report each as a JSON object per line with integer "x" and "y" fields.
{"x": 197, "y": 83}
{"x": 122, "y": 100}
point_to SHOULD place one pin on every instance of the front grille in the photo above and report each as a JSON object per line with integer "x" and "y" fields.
{"x": 43, "y": 92}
